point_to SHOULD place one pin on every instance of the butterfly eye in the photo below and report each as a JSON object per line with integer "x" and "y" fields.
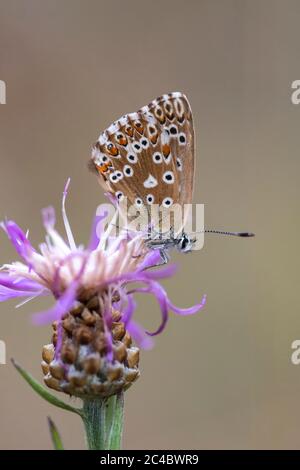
{"x": 167, "y": 202}
{"x": 168, "y": 177}
{"x": 181, "y": 138}
{"x": 185, "y": 244}
{"x": 128, "y": 171}
{"x": 157, "y": 157}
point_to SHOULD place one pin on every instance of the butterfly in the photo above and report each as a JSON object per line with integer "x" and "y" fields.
{"x": 148, "y": 157}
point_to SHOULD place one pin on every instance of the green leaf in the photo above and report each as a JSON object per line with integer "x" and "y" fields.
{"x": 43, "y": 392}
{"x": 55, "y": 436}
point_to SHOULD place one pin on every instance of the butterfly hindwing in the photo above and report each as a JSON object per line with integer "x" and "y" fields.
{"x": 148, "y": 156}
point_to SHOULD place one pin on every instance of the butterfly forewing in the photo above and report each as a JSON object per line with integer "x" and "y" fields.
{"x": 148, "y": 156}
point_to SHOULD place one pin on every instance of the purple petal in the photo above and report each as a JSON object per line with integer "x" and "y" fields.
{"x": 153, "y": 258}
{"x": 161, "y": 297}
{"x": 139, "y": 335}
{"x": 17, "y": 283}
{"x": 128, "y": 312}
{"x": 63, "y": 304}
{"x": 95, "y": 232}
{"x": 48, "y": 215}
{"x": 66, "y": 188}
{"x": 6, "y": 293}
{"x": 187, "y": 311}
{"x": 68, "y": 229}
{"x": 162, "y": 273}
{"x": 126, "y": 277}
{"x": 19, "y": 240}
{"x": 135, "y": 276}
{"x": 156, "y": 289}
{"x": 63, "y": 262}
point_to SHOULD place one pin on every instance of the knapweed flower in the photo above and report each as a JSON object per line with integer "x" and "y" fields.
{"x": 91, "y": 353}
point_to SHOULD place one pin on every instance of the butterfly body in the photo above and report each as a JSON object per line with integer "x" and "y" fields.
{"x": 184, "y": 244}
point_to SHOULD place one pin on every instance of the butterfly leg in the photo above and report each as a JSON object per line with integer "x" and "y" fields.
{"x": 164, "y": 257}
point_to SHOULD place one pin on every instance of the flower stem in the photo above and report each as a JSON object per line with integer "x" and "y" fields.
{"x": 103, "y": 421}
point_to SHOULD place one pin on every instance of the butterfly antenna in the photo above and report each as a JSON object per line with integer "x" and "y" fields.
{"x": 124, "y": 228}
{"x": 234, "y": 234}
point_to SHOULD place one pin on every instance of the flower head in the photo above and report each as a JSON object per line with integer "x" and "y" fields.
{"x": 93, "y": 288}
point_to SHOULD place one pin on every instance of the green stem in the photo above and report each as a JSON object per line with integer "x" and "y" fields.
{"x": 103, "y": 421}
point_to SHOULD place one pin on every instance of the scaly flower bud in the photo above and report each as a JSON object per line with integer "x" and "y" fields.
{"x": 91, "y": 351}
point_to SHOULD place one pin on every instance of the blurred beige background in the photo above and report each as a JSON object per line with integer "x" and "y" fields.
{"x": 223, "y": 378}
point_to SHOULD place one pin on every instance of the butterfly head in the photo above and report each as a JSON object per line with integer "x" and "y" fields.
{"x": 185, "y": 243}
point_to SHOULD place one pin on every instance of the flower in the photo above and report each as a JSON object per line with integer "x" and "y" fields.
{"x": 94, "y": 287}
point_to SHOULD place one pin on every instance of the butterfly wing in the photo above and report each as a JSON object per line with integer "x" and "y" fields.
{"x": 148, "y": 156}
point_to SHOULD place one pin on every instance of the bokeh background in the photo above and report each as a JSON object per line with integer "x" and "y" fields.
{"x": 222, "y": 378}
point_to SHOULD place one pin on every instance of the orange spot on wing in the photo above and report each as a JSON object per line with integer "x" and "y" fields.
{"x": 112, "y": 149}
{"x": 139, "y": 127}
{"x": 104, "y": 168}
{"x": 129, "y": 131}
{"x": 166, "y": 150}
{"x": 123, "y": 141}
{"x": 154, "y": 138}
